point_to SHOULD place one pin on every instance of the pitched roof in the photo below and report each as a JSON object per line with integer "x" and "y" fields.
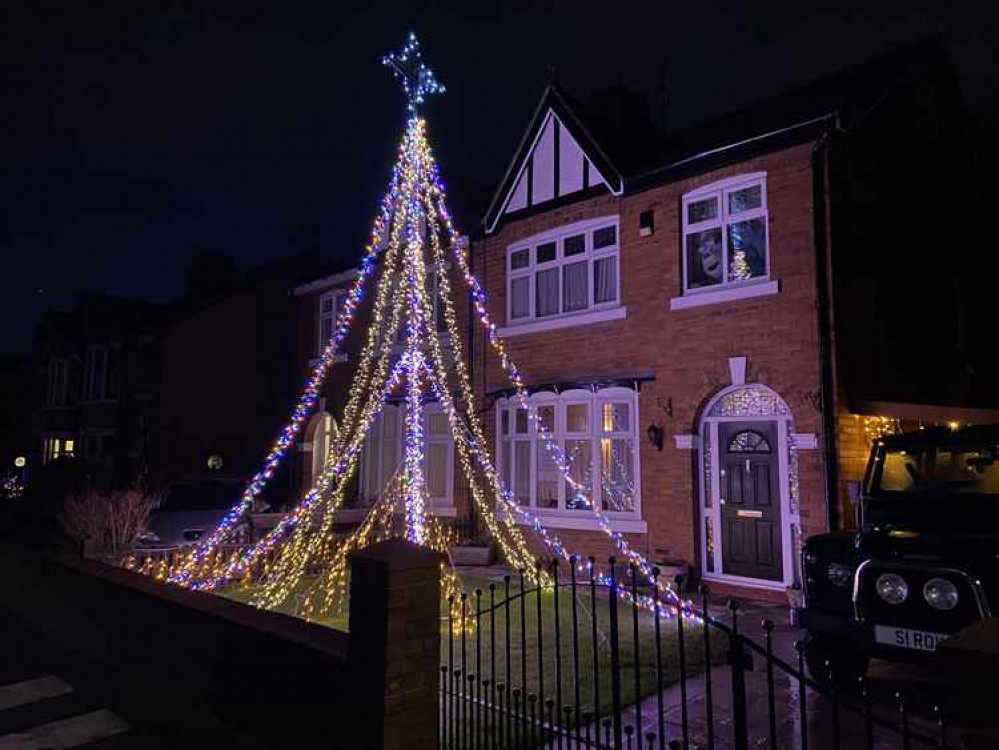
{"x": 635, "y": 156}
{"x": 541, "y": 151}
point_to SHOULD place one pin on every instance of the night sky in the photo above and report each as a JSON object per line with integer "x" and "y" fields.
{"x": 132, "y": 134}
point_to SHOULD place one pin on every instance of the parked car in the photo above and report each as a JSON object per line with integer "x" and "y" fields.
{"x": 925, "y": 562}
{"x": 190, "y": 509}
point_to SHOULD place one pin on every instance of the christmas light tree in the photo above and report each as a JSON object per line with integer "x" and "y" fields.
{"x": 407, "y": 261}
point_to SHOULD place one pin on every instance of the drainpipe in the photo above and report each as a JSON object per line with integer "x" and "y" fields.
{"x": 824, "y": 293}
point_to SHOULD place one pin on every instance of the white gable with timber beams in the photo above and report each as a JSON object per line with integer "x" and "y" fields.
{"x": 555, "y": 166}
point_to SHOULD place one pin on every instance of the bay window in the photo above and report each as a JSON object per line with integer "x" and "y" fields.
{"x": 383, "y": 454}
{"x": 597, "y": 433}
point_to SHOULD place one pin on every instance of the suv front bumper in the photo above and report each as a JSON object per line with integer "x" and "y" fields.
{"x": 859, "y": 636}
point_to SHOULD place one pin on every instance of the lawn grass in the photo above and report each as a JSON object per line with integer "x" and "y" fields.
{"x": 490, "y": 654}
{"x": 576, "y": 646}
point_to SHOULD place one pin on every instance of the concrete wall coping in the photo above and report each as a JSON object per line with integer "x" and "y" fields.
{"x": 399, "y": 554}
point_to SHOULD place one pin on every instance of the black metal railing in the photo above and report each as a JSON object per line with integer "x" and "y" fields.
{"x": 466, "y": 530}
{"x": 585, "y": 664}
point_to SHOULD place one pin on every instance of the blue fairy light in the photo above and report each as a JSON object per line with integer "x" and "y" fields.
{"x": 418, "y": 81}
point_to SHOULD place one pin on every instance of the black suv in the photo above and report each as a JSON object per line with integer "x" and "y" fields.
{"x": 925, "y": 562}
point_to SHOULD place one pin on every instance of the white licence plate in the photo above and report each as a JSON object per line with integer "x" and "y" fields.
{"x": 919, "y": 640}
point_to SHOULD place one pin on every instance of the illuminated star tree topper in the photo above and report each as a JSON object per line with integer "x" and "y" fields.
{"x": 418, "y": 81}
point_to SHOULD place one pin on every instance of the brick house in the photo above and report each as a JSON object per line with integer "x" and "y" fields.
{"x": 95, "y": 390}
{"x": 229, "y": 373}
{"x": 712, "y": 324}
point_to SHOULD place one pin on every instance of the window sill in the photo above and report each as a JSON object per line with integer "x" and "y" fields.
{"x": 341, "y": 357}
{"x": 551, "y": 324}
{"x": 590, "y": 523}
{"x": 357, "y": 515}
{"x": 730, "y": 294}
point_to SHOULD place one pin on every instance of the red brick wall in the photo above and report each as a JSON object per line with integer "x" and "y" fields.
{"x": 209, "y": 396}
{"x": 853, "y": 448}
{"x": 686, "y": 350}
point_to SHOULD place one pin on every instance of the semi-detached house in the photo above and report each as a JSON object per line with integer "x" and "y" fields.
{"x": 713, "y": 325}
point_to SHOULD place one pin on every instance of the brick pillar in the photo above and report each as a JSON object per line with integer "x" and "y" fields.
{"x": 395, "y": 634}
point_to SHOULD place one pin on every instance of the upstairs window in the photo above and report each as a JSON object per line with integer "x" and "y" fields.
{"x": 100, "y": 373}
{"x": 330, "y": 305}
{"x": 565, "y": 272}
{"x": 434, "y": 314}
{"x": 57, "y": 378}
{"x": 725, "y": 234}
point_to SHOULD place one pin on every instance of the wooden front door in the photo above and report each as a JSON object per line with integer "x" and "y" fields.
{"x": 750, "y": 500}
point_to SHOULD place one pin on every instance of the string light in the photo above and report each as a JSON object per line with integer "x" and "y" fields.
{"x": 412, "y": 222}
{"x": 876, "y": 427}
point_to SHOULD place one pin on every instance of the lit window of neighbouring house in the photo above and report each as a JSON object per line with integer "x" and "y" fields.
{"x": 725, "y": 239}
{"x": 330, "y": 305}
{"x": 598, "y": 437}
{"x": 56, "y": 447}
{"x": 564, "y": 272}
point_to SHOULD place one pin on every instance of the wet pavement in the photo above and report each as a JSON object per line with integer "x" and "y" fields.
{"x": 816, "y": 717}
{"x": 823, "y": 724}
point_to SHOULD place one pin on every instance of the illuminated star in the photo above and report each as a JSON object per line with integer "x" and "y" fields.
{"x": 418, "y": 81}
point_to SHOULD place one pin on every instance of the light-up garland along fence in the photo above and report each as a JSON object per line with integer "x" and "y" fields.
{"x": 414, "y": 205}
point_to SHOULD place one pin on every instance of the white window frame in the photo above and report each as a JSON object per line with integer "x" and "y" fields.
{"x": 447, "y": 501}
{"x": 94, "y": 391}
{"x": 437, "y": 321}
{"x": 560, "y": 516}
{"x": 336, "y": 295}
{"x": 592, "y": 311}
{"x": 438, "y": 506}
{"x": 57, "y": 390}
{"x": 720, "y": 190}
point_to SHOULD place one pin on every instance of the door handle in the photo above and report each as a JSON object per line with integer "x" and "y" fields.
{"x": 747, "y": 466}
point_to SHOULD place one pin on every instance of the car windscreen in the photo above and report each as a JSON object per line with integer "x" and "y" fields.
{"x": 939, "y": 469}
{"x": 201, "y": 496}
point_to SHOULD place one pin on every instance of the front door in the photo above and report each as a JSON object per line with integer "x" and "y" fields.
{"x": 750, "y": 500}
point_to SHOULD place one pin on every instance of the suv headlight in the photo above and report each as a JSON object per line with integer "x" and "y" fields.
{"x": 839, "y": 574}
{"x": 940, "y": 593}
{"x": 892, "y": 588}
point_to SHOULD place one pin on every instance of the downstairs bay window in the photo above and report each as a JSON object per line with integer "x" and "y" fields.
{"x": 383, "y": 454}
{"x": 596, "y": 431}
